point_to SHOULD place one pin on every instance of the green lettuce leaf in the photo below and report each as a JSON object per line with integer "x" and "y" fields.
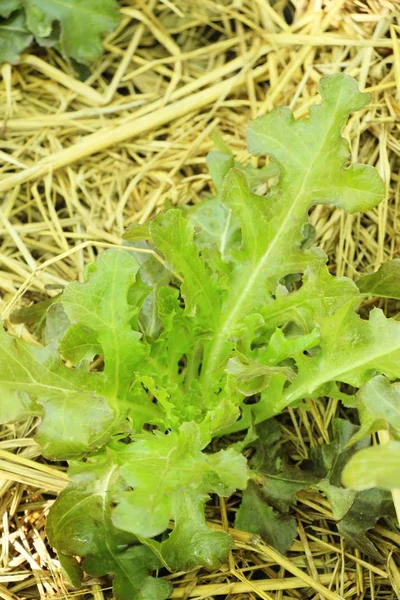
{"x": 352, "y": 351}
{"x": 82, "y": 24}
{"x": 80, "y": 524}
{"x": 385, "y": 282}
{"x": 311, "y": 156}
{"x": 76, "y": 418}
{"x": 173, "y": 236}
{"x": 374, "y": 467}
{"x": 14, "y": 36}
{"x": 9, "y": 6}
{"x": 161, "y": 467}
{"x": 108, "y": 305}
{"x": 320, "y": 295}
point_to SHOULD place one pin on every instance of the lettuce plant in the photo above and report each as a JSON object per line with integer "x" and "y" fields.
{"x": 74, "y": 27}
{"x": 213, "y": 320}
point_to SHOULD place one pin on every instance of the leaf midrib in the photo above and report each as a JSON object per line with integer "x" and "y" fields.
{"x": 337, "y": 373}
{"x": 225, "y": 328}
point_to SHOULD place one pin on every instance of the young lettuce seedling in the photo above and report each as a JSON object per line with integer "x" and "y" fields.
{"x": 186, "y": 340}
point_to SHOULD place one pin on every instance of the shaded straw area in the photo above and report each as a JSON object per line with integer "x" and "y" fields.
{"x": 81, "y": 159}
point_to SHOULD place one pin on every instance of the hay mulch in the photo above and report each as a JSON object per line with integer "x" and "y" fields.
{"x": 82, "y": 159}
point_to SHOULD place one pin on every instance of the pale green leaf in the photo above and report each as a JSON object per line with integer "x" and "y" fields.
{"x": 192, "y": 543}
{"x": 352, "y": 350}
{"x": 251, "y": 376}
{"x": 9, "y": 6}
{"x": 385, "y": 282}
{"x": 173, "y": 236}
{"x": 311, "y": 156}
{"x": 378, "y": 404}
{"x": 108, "y": 304}
{"x": 320, "y": 295}
{"x": 76, "y": 418}
{"x": 160, "y": 468}
{"x": 374, "y": 467}
{"x": 74, "y": 424}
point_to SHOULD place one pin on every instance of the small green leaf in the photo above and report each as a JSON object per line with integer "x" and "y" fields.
{"x": 81, "y": 23}
{"x": 80, "y": 524}
{"x": 218, "y": 164}
{"x": 192, "y": 542}
{"x": 108, "y": 305}
{"x": 251, "y": 376}
{"x": 255, "y": 516}
{"x": 352, "y": 350}
{"x": 368, "y": 507}
{"x": 160, "y": 468}
{"x": 374, "y": 467}
{"x": 14, "y": 37}
{"x": 173, "y": 236}
{"x": 9, "y": 6}
{"x": 378, "y": 403}
{"x": 320, "y": 295}
{"x": 76, "y": 418}
{"x": 385, "y": 282}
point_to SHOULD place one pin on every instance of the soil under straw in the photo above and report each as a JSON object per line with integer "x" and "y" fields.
{"x": 82, "y": 160}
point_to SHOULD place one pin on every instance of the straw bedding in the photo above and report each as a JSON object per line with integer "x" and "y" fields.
{"x": 80, "y": 159}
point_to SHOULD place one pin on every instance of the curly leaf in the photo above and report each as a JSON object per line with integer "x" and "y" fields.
{"x": 161, "y": 468}
{"x": 320, "y": 295}
{"x": 80, "y": 524}
{"x": 192, "y": 543}
{"x": 173, "y": 236}
{"x": 76, "y": 418}
{"x": 311, "y": 156}
{"x": 108, "y": 304}
{"x": 352, "y": 350}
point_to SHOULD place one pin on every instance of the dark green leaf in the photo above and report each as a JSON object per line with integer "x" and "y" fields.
{"x": 255, "y": 516}
{"x": 368, "y": 507}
